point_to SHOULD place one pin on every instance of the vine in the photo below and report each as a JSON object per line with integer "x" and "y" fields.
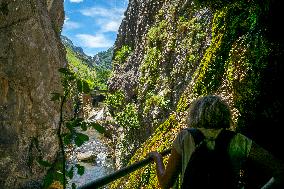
{"x": 69, "y": 130}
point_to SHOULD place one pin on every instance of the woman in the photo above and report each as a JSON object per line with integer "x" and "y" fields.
{"x": 210, "y": 114}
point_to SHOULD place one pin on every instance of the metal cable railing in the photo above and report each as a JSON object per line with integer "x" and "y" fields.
{"x": 120, "y": 173}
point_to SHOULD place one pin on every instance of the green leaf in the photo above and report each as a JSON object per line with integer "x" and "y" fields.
{"x": 79, "y": 85}
{"x": 99, "y": 128}
{"x": 44, "y": 163}
{"x": 77, "y": 122}
{"x": 48, "y": 180}
{"x": 55, "y": 96}
{"x": 70, "y": 173}
{"x": 80, "y": 169}
{"x": 80, "y": 139}
{"x": 67, "y": 139}
{"x": 84, "y": 126}
{"x": 74, "y": 186}
{"x": 71, "y": 77}
{"x": 65, "y": 71}
{"x": 86, "y": 87}
{"x": 59, "y": 176}
{"x": 70, "y": 126}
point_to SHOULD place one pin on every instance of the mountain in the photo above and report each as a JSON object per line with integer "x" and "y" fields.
{"x": 67, "y": 42}
{"x": 96, "y": 70}
{"x": 78, "y": 51}
{"x": 103, "y": 59}
{"x": 103, "y": 65}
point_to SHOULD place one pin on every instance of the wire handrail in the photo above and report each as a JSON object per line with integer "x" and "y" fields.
{"x": 120, "y": 173}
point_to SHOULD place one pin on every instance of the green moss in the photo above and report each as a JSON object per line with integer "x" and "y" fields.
{"x": 155, "y": 101}
{"x": 149, "y": 69}
{"x": 231, "y": 64}
{"x": 229, "y": 24}
{"x": 183, "y": 103}
{"x": 128, "y": 116}
{"x": 116, "y": 101}
{"x": 122, "y": 54}
{"x": 247, "y": 61}
{"x": 160, "y": 140}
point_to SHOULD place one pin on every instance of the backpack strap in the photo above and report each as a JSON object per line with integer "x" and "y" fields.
{"x": 223, "y": 140}
{"x": 197, "y": 135}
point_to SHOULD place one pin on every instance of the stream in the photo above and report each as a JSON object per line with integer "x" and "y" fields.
{"x": 96, "y": 157}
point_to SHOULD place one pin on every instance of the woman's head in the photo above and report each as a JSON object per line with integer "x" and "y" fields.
{"x": 209, "y": 112}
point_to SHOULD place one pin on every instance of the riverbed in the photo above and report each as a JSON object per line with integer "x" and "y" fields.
{"x": 96, "y": 157}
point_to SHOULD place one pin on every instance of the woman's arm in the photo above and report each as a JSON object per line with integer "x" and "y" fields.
{"x": 168, "y": 176}
{"x": 268, "y": 163}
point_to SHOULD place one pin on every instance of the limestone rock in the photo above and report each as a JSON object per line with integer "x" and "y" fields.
{"x": 139, "y": 17}
{"x": 30, "y": 54}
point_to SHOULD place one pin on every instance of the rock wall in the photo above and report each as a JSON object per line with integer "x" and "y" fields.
{"x": 183, "y": 49}
{"x": 30, "y": 54}
{"x": 133, "y": 29}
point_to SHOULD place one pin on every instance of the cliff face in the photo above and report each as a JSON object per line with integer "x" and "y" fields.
{"x": 169, "y": 52}
{"x": 133, "y": 29}
{"x": 30, "y": 54}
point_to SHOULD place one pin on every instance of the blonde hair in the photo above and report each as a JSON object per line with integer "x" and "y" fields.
{"x": 209, "y": 112}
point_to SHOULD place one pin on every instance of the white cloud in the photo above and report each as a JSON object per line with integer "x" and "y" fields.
{"x": 69, "y": 25}
{"x": 76, "y": 1}
{"x": 108, "y": 25}
{"x": 108, "y": 19}
{"x": 111, "y": 26}
{"x": 94, "y": 41}
{"x": 103, "y": 12}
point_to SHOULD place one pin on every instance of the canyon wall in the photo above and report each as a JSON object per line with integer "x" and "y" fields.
{"x": 170, "y": 52}
{"x": 30, "y": 55}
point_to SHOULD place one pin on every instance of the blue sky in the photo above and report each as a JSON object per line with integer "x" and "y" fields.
{"x": 93, "y": 24}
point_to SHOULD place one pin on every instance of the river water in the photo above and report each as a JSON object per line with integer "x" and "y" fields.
{"x": 95, "y": 155}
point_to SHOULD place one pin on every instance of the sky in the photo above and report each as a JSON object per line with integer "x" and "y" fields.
{"x": 93, "y": 24}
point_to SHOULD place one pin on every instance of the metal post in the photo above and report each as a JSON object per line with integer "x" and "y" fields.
{"x": 120, "y": 173}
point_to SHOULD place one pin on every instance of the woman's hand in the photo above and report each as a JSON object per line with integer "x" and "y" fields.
{"x": 167, "y": 177}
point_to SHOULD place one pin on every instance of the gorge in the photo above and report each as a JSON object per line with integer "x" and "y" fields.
{"x": 166, "y": 54}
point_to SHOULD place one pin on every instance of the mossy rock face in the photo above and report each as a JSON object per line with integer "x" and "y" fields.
{"x": 160, "y": 141}
{"x": 196, "y": 49}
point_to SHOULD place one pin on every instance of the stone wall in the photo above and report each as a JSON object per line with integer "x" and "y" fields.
{"x": 30, "y": 54}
